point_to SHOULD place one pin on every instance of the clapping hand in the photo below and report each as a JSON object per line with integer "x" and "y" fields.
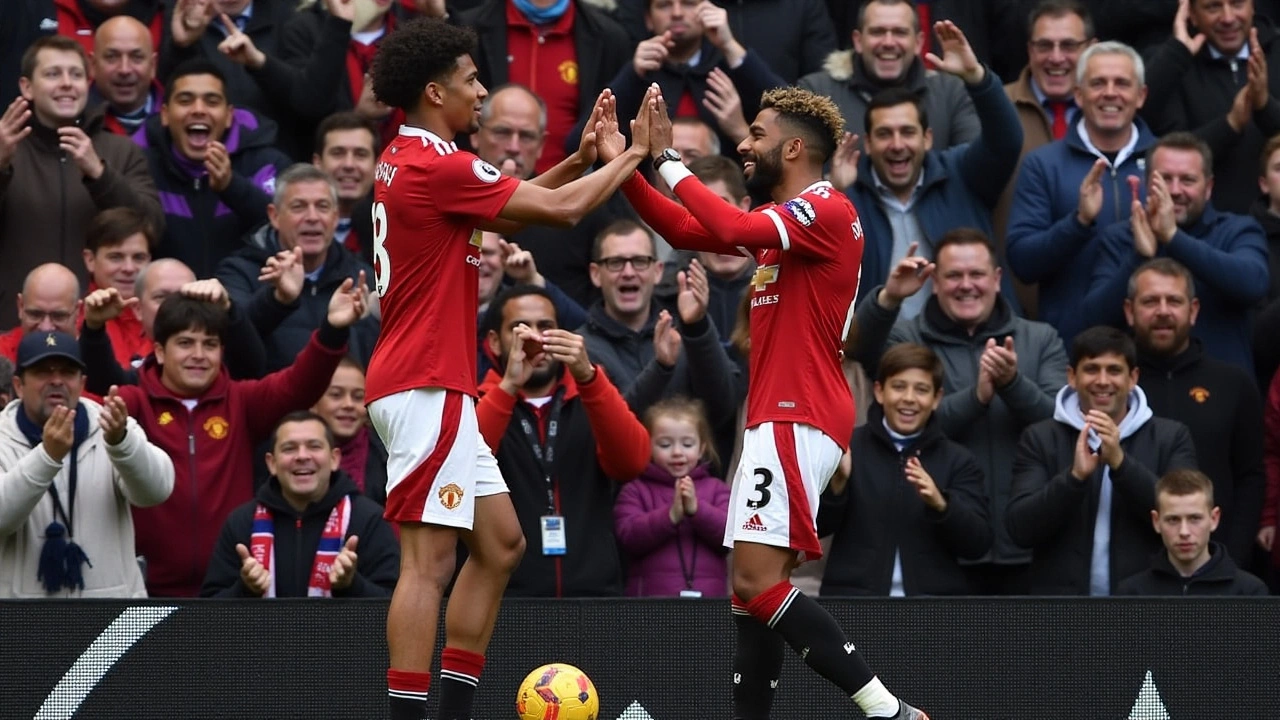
{"x": 254, "y": 576}
{"x": 343, "y": 571}
{"x": 114, "y": 418}
{"x": 666, "y": 341}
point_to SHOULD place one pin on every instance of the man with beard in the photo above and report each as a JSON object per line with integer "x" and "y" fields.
{"x": 1086, "y": 478}
{"x": 562, "y": 435}
{"x": 59, "y": 165}
{"x": 886, "y": 54}
{"x": 907, "y": 192}
{"x": 1217, "y": 401}
{"x": 124, "y": 74}
{"x": 1225, "y": 252}
{"x": 807, "y": 244}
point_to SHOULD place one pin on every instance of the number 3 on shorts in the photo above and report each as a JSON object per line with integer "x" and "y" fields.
{"x": 381, "y": 260}
{"x": 764, "y": 480}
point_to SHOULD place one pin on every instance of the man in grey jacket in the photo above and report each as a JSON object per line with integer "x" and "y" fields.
{"x": 70, "y": 469}
{"x": 1000, "y": 375}
{"x": 1084, "y": 482}
{"x": 886, "y": 54}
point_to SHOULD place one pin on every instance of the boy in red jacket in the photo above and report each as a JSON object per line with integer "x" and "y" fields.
{"x": 209, "y": 425}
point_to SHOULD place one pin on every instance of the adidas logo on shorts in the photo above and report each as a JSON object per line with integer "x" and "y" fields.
{"x": 754, "y": 523}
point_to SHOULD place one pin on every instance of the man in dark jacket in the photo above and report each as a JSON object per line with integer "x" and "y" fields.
{"x": 1218, "y": 76}
{"x": 124, "y": 74}
{"x": 291, "y": 303}
{"x": 907, "y": 192}
{"x": 1217, "y": 401}
{"x": 914, "y": 503}
{"x": 566, "y": 52}
{"x": 215, "y": 166}
{"x": 309, "y": 532}
{"x": 59, "y": 167}
{"x": 1191, "y": 564}
{"x": 562, "y": 435}
{"x": 1001, "y": 372}
{"x": 1226, "y": 252}
{"x": 1084, "y": 481}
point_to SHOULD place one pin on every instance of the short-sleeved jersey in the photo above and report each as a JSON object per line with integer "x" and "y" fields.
{"x": 801, "y": 309}
{"x": 428, "y": 199}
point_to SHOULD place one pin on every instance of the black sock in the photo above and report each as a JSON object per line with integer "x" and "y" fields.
{"x": 406, "y": 709}
{"x": 814, "y": 634}
{"x": 459, "y": 674}
{"x": 757, "y": 665}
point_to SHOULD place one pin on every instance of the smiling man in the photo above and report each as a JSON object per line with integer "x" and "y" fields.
{"x": 1020, "y": 366}
{"x": 117, "y": 249}
{"x": 346, "y": 150}
{"x": 124, "y": 73}
{"x": 1192, "y": 564}
{"x": 1086, "y": 478}
{"x": 289, "y": 306}
{"x": 216, "y": 167}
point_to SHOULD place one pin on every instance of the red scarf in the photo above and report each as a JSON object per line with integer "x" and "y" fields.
{"x": 355, "y": 453}
{"x": 262, "y": 546}
{"x": 359, "y": 61}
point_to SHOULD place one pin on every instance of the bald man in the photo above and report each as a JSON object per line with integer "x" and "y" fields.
{"x": 124, "y": 73}
{"x": 50, "y": 300}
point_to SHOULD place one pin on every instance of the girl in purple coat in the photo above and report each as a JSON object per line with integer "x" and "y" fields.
{"x": 670, "y": 520}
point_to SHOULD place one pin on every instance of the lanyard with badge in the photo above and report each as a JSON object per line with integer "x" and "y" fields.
{"x": 688, "y": 571}
{"x": 553, "y": 534}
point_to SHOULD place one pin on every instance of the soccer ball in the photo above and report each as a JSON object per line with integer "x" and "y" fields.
{"x": 557, "y": 692}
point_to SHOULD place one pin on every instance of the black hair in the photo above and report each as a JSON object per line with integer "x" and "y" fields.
{"x": 302, "y": 416}
{"x": 1102, "y": 340}
{"x": 419, "y": 52}
{"x": 179, "y": 313}
{"x": 892, "y": 97}
{"x": 194, "y": 66}
{"x": 493, "y": 314}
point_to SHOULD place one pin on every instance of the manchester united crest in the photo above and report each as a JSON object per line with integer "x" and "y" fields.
{"x": 217, "y": 427}
{"x": 1198, "y": 394}
{"x": 450, "y": 496}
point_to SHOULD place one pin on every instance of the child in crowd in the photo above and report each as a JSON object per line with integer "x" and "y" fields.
{"x": 670, "y": 520}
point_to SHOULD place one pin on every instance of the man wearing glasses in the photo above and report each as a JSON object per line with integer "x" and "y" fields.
{"x": 1044, "y": 96}
{"x": 49, "y": 301}
{"x": 648, "y": 351}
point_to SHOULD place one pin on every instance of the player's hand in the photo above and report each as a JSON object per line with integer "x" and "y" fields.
{"x": 610, "y": 142}
{"x": 666, "y": 341}
{"x": 238, "y": 47}
{"x": 905, "y": 279}
{"x": 211, "y": 291}
{"x": 695, "y": 293}
{"x": 676, "y": 513}
{"x": 368, "y": 106}
{"x": 958, "y": 57}
{"x": 651, "y": 53}
{"x": 570, "y": 350}
{"x": 1090, "y": 203}
{"x": 519, "y": 265}
{"x": 285, "y": 272}
{"x": 840, "y": 478}
{"x": 844, "y": 163}
{"x": 14, "y": 128}
{"x": 643, "y": 122}
{"x": 114, "y": 418}
{"x": 1109, "y": 434}
{"x": 1144, "y": 238}
{"x": 1001, "y": 360}
{"x": 348, "y": 302}
{"x": 189, "y": 21}
{"x": 688, "y": 494}
{"x": 1181, "y": 23}
{"x": 76, "y": 144}
{"x": 587, "y": 144}
{"x": 1266, "y": 537}
{"x": 255, "y": 577}
{"x": 59, "y": 432}
{"x": 660, "y": 124}
{"x": 725, "y": 104}
{"x": 1160, "y": 210}
{"x": 218, "y": 164}
{"x": 343, "y": 570}
{"x": 925, "y": 487}
{"x": 103, "y": 305}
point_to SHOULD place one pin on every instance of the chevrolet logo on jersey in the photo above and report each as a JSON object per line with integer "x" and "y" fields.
{"x": 476, "y": 238}
{"x": 765, "y": 274}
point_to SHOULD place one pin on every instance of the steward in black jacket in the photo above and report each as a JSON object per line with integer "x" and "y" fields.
{"x": 1219, "y": 576}
{"x": 880, "y": 517}
{"x": 297, "y": 535}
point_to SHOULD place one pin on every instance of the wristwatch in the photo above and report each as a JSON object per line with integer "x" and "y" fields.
{"x": 667, "y": 155}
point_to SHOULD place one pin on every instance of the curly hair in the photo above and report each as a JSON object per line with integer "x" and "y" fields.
{"x": 419, "y": 52}
{"x": 814, "y": 116}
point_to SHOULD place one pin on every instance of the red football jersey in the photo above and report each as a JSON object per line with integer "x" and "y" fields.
{"x": 808, "y": 254}
{"x": 428, "y": 199}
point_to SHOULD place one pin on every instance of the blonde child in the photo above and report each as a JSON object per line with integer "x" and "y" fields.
{"x": 670, "y": 520}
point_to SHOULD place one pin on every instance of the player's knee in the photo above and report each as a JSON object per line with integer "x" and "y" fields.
{"x": 747, "y": 583}
{"x": 512, "y": 552}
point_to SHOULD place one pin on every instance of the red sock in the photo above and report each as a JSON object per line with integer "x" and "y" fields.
{"x": 769, "y": 605}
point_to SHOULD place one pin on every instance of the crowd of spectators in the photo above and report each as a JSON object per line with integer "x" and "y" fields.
{"x": 1064, "y": 357}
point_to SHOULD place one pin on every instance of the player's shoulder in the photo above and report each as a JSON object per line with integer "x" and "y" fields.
{"x": 819, "y": 202}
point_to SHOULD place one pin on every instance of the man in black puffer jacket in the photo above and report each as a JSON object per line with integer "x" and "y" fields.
{"x": 306, "y": 266}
